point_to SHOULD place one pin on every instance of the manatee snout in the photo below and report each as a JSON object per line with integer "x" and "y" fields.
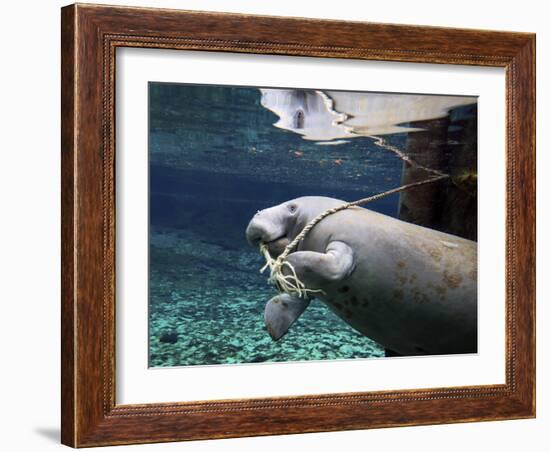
{"x": 266, "y": 229}
{"x": 255, "y": 231}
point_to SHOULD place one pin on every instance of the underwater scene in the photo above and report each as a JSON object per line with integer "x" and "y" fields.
{"x": 235, "y": 173}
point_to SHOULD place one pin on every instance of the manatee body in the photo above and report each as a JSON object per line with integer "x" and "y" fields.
{"x": 411, "y": 289}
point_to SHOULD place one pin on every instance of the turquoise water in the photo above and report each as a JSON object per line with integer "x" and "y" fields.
{"x": 215, "y": 159}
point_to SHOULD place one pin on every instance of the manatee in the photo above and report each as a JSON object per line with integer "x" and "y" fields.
{"x": 410, "y": 288}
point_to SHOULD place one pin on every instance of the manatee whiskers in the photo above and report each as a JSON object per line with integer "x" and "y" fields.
{"x": 290, "y": 283}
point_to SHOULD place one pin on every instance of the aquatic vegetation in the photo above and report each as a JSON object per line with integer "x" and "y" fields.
{"x": 467, "y": 181}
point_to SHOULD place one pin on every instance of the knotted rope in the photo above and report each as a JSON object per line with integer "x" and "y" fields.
{"x": 290, "y": 283}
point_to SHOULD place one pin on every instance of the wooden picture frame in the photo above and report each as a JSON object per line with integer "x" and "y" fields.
{"x": 90, "y": 36}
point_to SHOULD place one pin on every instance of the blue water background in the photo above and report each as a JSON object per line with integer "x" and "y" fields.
{"x": 215, "y": 159}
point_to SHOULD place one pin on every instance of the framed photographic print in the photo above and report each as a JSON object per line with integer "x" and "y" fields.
{"x": 281, "y": 225}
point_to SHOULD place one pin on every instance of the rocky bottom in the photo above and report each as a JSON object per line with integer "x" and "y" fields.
{"x": 206, "y": 307}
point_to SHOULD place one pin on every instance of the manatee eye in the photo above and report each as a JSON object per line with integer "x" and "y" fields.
{"x": 292, "y": 208}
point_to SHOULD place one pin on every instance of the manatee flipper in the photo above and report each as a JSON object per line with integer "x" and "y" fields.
{"x": 281, "y": 312}
{"x": 313, "y": 268}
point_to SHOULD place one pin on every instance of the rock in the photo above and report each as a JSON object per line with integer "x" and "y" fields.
{"x": 168, "y": 337}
